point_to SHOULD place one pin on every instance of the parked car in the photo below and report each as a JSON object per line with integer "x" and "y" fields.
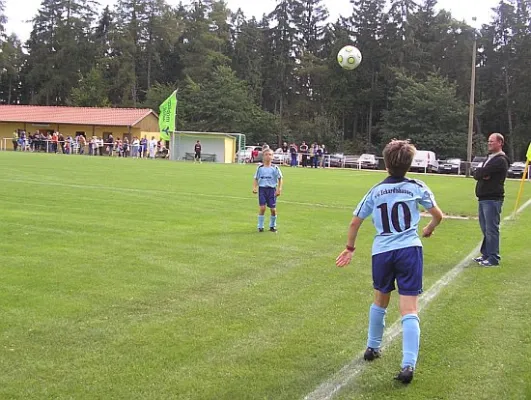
{"x": 368, "y": 161}
{"x": 476, "y": 162}
{"x": 516, "y": 170}
{"x": 425, "y": 161}
{"x": 250, "y": 154}
{"x": 451, "y": 166}
{"x": 351, "y": 161}
{"x": 336, "y": 160}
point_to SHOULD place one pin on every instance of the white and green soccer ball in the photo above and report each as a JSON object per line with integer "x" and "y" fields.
{"x": 349, "y": 57}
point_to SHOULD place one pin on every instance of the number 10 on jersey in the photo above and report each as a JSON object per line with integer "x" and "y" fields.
{"x": 399, "y": 217}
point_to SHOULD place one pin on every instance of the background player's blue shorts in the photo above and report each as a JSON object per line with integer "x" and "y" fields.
{"x": 266, "y": 196}
{"x": 403, "y": 265}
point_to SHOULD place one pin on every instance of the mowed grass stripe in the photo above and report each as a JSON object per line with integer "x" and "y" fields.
{"x": 108, "y": 295}
{"x": 476, "y": 336}
{"x": 342, "y": 188}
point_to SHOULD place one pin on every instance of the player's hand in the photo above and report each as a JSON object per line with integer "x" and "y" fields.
{"x": 427, "y": 232}
{"x": 278, "y": 192}
{"x": 255, "y": 190}
{"x": 344, "y": 258}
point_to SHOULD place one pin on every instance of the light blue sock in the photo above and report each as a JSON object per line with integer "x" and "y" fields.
{"x": 273, "y": 222}
{"x": 260, "y": 222}
{"x": 410, "y": 340}
{"x": 376, "y": 326}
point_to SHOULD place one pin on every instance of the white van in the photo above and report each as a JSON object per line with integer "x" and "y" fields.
{"x": 425, "y": 161}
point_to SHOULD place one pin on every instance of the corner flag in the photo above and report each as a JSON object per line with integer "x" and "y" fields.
{"x": 528, "y": 155}
{"x": 167, "y": 116}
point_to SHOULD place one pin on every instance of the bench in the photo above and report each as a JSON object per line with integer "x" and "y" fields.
{"x": 162, "y": 154}
{"x": 204, "y": 157}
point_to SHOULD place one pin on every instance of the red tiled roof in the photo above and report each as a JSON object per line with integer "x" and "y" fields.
{"x": 73, "y": 115}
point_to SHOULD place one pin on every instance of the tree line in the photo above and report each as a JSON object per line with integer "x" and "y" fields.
{"x": 276, "y": 78}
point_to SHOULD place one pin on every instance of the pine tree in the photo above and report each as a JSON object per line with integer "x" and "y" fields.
{"x": 248, "y": 58}
{"x": 59, "y": 47}
{"x": 202, "y": 50}
{"x": 310, "y": 72}
{"x": 282, "y": 44}
{"x": 3, "y": 20}
{"x": 367, "y": 28}
{"x": 12, "y": 60}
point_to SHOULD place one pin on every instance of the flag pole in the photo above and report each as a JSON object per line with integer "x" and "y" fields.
{"x": 176, "y": 107}
{"x": 524, "y": 176}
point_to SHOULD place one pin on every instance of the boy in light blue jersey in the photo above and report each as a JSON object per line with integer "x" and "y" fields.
{"x": 396, "y": 250}
{"x": 268, "y": 184}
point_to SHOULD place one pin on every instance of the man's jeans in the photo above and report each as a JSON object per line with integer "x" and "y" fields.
{"x": 489, "y": 221}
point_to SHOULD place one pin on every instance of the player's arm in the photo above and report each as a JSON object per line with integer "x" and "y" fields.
{"x": 255, "y": 180}
{"x": 280, "y": 182}
{"x": 346, "y": 255}
{"x": 436, "y": 218}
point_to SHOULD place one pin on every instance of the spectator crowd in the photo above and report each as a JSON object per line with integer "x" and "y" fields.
{"x": 56, "y": 142}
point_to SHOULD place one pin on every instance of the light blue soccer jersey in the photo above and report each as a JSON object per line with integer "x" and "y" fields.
{"x": 268, "y": 176}
{"x": 393, "y": 205}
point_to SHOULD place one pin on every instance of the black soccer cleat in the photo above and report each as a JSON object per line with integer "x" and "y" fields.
{"x": 405, "y": 375}
{"x": 371, "y": 354}
{"x": 260, "y": 229}
{"x": 271, "y": 229}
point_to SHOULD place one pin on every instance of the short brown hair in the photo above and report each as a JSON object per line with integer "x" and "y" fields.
{"x": 398, "y": 156}
{"x": 499, "y": 137}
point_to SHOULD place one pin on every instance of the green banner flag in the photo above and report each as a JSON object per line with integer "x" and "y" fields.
{"x": 529, "y": 153}
{"x": 167, "y": 116}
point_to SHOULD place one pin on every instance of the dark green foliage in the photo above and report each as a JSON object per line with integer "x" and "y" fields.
{"x": 428, "y": 113}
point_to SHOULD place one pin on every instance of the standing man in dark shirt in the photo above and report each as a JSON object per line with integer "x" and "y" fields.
{"x": 143, "y": 147}
{"x": 304, "y": 151}
{"x": 490, "y": 191}
{"x": 61, "y": 140}
{"x": 15, "y": 140}
{"x": 110, "y": 144}
{"x": 285, "y": 152}
{"x": 197, "y": 149}
{"x": 293, "y": 152}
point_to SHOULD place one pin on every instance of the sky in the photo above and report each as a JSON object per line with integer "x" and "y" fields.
{"x": 20, "y": 11}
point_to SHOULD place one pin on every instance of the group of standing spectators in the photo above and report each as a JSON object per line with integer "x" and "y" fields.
{"x": 56, "y": 142}
{"x": 305, "y": 155}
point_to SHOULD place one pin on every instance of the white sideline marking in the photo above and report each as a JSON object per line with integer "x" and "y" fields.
{"x": 215, "y": 196}
{"x": 327, "y": 390}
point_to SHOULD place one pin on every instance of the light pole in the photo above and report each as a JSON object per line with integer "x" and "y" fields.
{"x": 471, "y": 106}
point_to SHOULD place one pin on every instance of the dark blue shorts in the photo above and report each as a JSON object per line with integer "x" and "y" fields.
{"x": 266, "y": 196}
{"x": 403, "y": 265}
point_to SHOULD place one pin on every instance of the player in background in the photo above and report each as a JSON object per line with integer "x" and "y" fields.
{"x": 396, "y": 251}
{"x": 268, "y": 184}
{"x": 197, "y": 149}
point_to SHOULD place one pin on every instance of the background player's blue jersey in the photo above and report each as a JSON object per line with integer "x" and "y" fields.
{"x": 393, "y": 205}
{"x": 268, "y": 176}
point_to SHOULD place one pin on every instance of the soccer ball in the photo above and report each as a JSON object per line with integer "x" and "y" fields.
{"x": 349, "y": 57}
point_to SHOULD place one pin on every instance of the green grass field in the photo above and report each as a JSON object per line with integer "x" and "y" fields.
{"x": 137, "y": 279}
